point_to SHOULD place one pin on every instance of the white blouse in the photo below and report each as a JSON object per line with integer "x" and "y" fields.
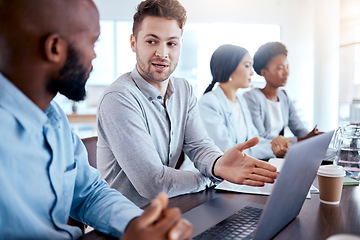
{"x": 236, "y": 109}
{"x": 276, "y": 118}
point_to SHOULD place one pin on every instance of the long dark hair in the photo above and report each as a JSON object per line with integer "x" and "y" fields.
{"x": 223, "y": 63}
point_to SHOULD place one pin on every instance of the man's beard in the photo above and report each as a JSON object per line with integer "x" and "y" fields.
{"x": 145, "y": 69}
{"x": 72, "y": 78}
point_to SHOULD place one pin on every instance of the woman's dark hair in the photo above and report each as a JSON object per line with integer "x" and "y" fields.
{"x": 223, "y": 63}
{"x": 265, "y": 53}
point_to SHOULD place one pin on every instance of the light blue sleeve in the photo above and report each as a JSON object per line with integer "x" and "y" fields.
{"x": 94, "y": 203}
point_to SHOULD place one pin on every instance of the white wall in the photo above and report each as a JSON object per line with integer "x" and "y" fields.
{"x": 327, "y": 64}
{"x": 299, "y": 22}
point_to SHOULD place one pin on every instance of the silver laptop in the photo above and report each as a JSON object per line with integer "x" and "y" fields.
{"x": 213, "y": 219}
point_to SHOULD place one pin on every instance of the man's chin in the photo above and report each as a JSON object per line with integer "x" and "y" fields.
{"x": 161, "y": 76}
{"x": 76, "y": 99}
{"x": 156, "y": 77}
{"x": 77, "y": 95}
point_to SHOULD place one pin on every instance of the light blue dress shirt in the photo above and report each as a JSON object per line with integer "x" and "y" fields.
{"x": 224, "y": 129}
{"x": 45, "y": 176}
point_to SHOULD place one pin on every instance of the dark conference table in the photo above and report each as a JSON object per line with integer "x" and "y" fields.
{"x": 315, "y": 220}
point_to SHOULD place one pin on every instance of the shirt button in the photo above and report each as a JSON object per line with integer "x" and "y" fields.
{"x": 170, "y": 154}
{"x": 159, "y": 97}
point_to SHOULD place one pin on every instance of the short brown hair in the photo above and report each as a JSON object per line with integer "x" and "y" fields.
{"x": 170, "y": 9}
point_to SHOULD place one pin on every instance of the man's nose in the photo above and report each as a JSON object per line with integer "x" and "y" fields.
{"x": 162, "y": 51}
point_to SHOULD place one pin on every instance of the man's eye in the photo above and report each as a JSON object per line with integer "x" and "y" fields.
{"x": 172, "y": 44}
{"x": 150, "y": 41}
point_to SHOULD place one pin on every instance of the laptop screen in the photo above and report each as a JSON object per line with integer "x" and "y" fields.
{"x": 292, "y": 185}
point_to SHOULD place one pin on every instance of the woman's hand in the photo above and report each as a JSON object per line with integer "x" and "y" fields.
{"x": 280, "y": 145}
{"x": 313, "y": 133}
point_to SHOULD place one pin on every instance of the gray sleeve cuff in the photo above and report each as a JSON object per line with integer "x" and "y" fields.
{"x": 213, "y": 178}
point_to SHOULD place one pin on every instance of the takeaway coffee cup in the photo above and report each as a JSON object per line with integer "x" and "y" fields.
{"x": 330, "y": 178}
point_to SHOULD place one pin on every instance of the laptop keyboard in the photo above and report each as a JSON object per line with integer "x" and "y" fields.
{"x": 237, "y": 226}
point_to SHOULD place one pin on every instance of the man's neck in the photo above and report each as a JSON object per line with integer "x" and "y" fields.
{"x": 160, "y": 86}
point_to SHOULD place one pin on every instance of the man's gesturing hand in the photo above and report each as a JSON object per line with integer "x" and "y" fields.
{"x": 236, "y": 167}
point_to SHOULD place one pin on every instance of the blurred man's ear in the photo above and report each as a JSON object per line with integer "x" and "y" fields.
{"x": 133, "y": 42}
{"x": 55, "y": 48}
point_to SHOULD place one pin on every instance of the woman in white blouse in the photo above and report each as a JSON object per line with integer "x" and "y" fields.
{"x": 224, "y": 111}
{"x": 271, "y": 109}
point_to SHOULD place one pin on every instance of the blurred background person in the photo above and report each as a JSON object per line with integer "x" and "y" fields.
{"x": 271, "y": 108}
{"x": 224, "y": 111}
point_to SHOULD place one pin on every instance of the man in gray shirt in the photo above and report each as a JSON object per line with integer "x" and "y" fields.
{"x": 146, "y": 118}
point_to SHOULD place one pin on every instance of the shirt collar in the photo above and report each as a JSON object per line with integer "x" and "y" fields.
{"x": 30, "y": 116}
{"x": 148, "y": 90}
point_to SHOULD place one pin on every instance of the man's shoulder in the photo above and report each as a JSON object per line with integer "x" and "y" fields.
{"x": 6, "y": 119}
{"x": 55, "y": 108}
{"x": 180, "y": 82}
{"x": 56, "y": 115}
{"x": 123, "y": 89}
{"x": 124, "y": 82}
{"x": 122, "y": 86}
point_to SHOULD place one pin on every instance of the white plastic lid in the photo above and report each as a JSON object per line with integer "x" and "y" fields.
{"x": 331, "y": 171}
{"x": 343, "y": 236}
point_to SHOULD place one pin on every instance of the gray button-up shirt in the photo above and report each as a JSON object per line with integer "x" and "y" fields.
{"x": 141, "y": 139}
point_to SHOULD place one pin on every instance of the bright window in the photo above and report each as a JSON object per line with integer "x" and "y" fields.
{"x": 114, "y": 55}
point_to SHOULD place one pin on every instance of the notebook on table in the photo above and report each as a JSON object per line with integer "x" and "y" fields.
{"x": 265, "y": 190}
{"x": 224, "y": 218}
